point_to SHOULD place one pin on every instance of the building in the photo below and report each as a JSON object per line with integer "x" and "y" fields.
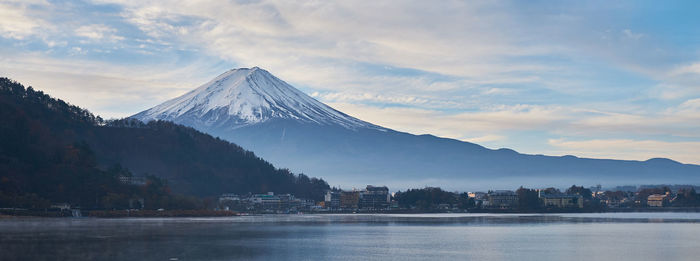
{"x": 60, "y": 206}
{"x": 478, "y": 195}
{"x": 614, "y": 199}
{"x": 502, "y": 199}
{"x": 230, "y": 201}
{"x": 266, "y": 201}
{"x": 350, "y": 199}
{"x": 624, "y": 188}
{"x": 561, "y": 200}
{"x": 480, "y": 198}
{"x": 288, "y": 201}
{"x": 375, "y": 198}
{"x": 332, "y": 200}
{"x": 612, "y": 202}
{"x": 131, "y": 180}
{"x": 137, "y": 203}
{"x": 229, "y": 197}
{"x": 658, "y": 200}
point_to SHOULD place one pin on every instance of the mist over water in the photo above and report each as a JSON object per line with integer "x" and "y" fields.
{"x": 610, "y": 236}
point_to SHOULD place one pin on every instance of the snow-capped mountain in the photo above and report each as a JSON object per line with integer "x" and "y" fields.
{"x": 258, "y": 111}
{"x": 245, "y": 96}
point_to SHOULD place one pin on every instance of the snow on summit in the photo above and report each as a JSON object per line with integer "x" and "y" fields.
{"x": 246, "y": 96}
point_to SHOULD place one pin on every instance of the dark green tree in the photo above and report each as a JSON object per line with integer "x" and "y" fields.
{"x": 528, "y": 200}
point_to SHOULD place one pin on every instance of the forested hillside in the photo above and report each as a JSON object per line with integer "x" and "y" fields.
{"x": 51, "y": 151}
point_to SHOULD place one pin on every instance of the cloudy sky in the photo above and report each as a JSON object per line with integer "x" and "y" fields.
{"x": 603, "y": 79}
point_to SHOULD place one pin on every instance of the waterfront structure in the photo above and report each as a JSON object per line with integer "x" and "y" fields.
{"x": 617, "y": 199}
{"x": 561, "y": 200}
{"x": 137, "y": 203}
{"x": 228, "y": 201}
{"x": 374, "y": 198}
{"x": 502, "y": 199}
{"x": 612, "y": 202}
{"x": 60, "y": 206}
{"x": 131, "y": 180}
{"x": 350, "y": 199}
{"x": 269, "y": 202}
{"x": 266, "y": 201}
{"x": 229, "y": 197}
{"x": 480, "y": 198}
{"x": 332, "y": 200}
{"x": 287, "y": 202}
{"x": 305, "y": 204}
{"x": 658, "y": 200}
{"x": 478, "y": 195}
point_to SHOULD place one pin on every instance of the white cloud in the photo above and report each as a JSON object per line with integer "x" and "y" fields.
{"x": 277, "y": 34}
{"x": 486, "y": 138}
{"x": 77, "y": 50}
{"x": 370, "y": 97}
{"x": 679, "y": 83}
{"x": 464, "y": 126}
{"x": 105, "y": 89}
{"x": 498, "y": 91}
{"x": 693, "y": 68}
{"x": 320, "y": 44}
{"x": 16, "y": 23}
{"x": 98, "y": 32}
{"x": 691, "y": 106}
{"x": 481, "y": 71}
{"x": 629, "y": 34}
{"x": 494, "y": 126}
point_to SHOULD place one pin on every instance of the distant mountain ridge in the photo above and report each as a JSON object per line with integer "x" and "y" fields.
{"x": 252, "y": 108}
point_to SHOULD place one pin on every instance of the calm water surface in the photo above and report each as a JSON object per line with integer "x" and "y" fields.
{"x": 610, "y": 236}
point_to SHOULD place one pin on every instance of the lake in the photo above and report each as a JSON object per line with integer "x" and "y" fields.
{"x": 607, "y": 236}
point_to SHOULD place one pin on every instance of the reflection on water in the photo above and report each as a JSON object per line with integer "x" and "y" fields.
{"x": 616, "y": 236}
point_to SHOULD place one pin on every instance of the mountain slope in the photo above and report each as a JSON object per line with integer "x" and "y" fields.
{"x": 243, "y": 97}
{"x": 264, "y": 114}
{"x": 192, "y": 162}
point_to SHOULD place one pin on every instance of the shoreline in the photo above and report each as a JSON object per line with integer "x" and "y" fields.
{"x": 220, "y": 213}
{"x": 117, "y": 213}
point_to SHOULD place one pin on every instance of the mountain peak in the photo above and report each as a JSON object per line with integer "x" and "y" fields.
{"x": 245, "y": 96}
{"x": 246, "y": 70}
